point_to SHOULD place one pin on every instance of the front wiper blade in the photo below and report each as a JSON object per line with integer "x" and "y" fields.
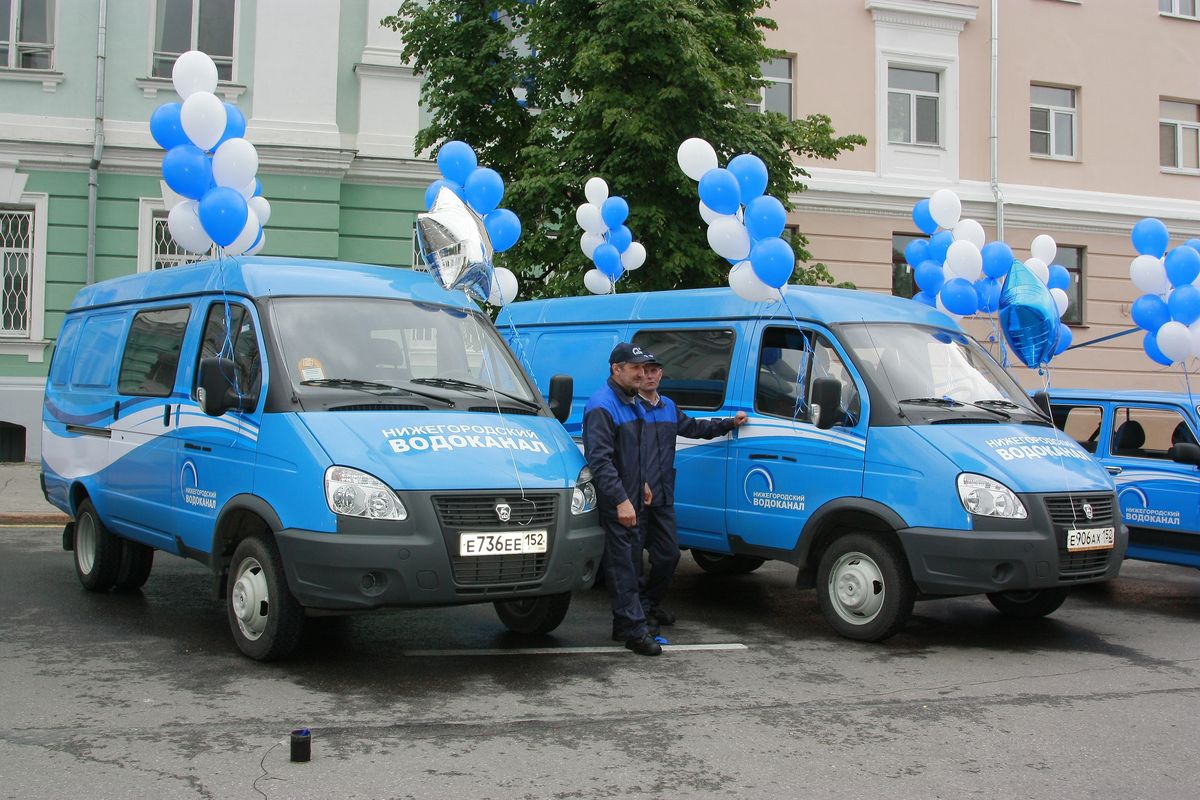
{"x": 950, "y": 402}
{"x": 454, "y": 383}
{"x": 1002, "y": 403}
{"x": 373, "y": 387}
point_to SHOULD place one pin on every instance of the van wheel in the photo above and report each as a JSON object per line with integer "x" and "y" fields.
{"x": 1028, "y": 605}
{"x": 534, "y": 615}
{"x": 864, "y": 587}
{"x": 720, "y": 564}
{"x": 265, "y": 619}
{"x": 136, "y": 561}
{"x": 97, "y": 551}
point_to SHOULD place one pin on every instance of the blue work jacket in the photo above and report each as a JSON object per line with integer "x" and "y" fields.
{"x": 612, "y": 444}
{"x": 665, "y": 421}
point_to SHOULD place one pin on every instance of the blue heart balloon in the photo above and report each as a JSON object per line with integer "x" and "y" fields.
{"x": 1028, "y": 317}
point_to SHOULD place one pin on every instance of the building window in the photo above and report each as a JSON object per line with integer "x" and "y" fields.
{"x": 777, "y": 94}
{"x": 1180, "y": 8}
{"x": 16, "y": 267}
{"x": 914, "y": 102}
{"x": 182, "y": 25}
{"x": 903, "y": 284}
{"x": 1051, "y": 121}
{"x": 165, "y": 251}
{"x": 1072, "y": 258}
{"x": 1178, "y": 134}
{"x": 28, "y": 30}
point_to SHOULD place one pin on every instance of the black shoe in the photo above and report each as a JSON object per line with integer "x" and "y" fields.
{"x": 645, "y": 646}
{"x": 662, "y": 616}
{"x": 651, "y": 628}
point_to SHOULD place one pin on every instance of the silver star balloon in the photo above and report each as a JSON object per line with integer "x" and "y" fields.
{"x": 455, "y": 245}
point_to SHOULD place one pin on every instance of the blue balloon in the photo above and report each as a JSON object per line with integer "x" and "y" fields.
{"x": 1150, "y": 345}
{"x": 1184, "y": 304}
{"x": 1182, "y": 265}
{"x": 503, "y": 228}
{"x": 751, "y": 174}
{"x": 1060, "y": 278}
{"x": 939, "y": 245}
{"x": 929, "y": 276}
{"x": 1028, "y": 316}
{"x": 166, "y": 128}
{"x": 235, "y": 125}
{"x": 926, "y": 298}
{"x": 1194, "y": 244}
{"x": 1150, "y": 237}
{"x": 773, "y": 261}
{"x": 720, "y": 191}
{"x": 988, "y": 290}
{"x": 188, "y": 171}
{"x": 765, "y": 217}
{"x": 997, "y": 259}
{"x": 223, "y": 214}
{"x": 457, "y": 161}
{"x": 959, "y": 297}
{"x": 608, "y": 261}
{"x": 484, "y": 189}
{"x": 432, "y": 192}
{"x": 923, "y": 219}
{"x": 620, "y": 237}
{"x": 1064, "y": 339}
{"x": 615, "y": 211}
{"x": 916, "y": 251}
{"x": 1150, "y": 312}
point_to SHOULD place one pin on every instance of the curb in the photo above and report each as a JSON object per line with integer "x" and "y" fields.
{"x": 34, "y": 519}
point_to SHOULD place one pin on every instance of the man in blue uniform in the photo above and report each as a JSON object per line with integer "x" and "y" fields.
{"x": 613, "y": 423}
{"x": 664, "y": 421}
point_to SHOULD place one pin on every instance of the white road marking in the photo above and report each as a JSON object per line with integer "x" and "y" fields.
{"x": 558, "y": 651}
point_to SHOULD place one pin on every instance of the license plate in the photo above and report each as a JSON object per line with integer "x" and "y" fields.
{"x": 1091, "y": 539}
{"x": 501, "y": 543}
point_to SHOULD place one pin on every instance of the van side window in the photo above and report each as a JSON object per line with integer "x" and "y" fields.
{"x": 151, "y": 357}
{"x": 102, "y": 334}
{"x": 64, "y": 350}
{"x": 229, "y": 333}
{"x": 695, "y": 364}
{"x": 788, "y": 362}
{"x": 1148, "y": 432}
{"x": 1081, "y": 423}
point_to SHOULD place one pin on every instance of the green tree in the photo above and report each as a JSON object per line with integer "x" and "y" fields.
{"x": 552, "y": 92}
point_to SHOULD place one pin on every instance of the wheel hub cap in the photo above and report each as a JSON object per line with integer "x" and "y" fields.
{"x": 856, "y": 588}
{"x": 250, "y": 599}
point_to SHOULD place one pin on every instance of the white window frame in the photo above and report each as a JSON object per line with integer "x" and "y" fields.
{"x": 150, "y": 211}
{"x": 761, "y": 105}
{"x": 913, "y": 94}
{"x": 1174, "y": 10}
{"x": 153, "y": 49}
{"x": 15, "y": 45}
{"x": 1051, "y": 112}
{"x": 1179, "y": 125}
{"x": 12, "y": 194}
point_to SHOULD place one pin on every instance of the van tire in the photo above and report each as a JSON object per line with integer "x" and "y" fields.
{"x": 721, "y": 564}
{"x": 1029, "y": 605}
{"x": 97, "y": 550}
{"x": 864, "y": 587}
{"x": 258, "y": 584}
{"x": 534, "y": 615}
{"x": 136, "y": 561}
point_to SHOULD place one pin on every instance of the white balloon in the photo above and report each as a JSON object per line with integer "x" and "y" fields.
{"x": 1060, "y": 300}
{"x": 184, "y": 223}
{"x": 597, "y": 282}
{"x": 589, "y": 218}
{"x": 708, "y": 215}
{"x": 588, "y": 243}
{"x": 262, "y": 242}
{"x": 729, "y": 238}
{"x": 1038, "y": 268}
{"x": 1175, "y": 341}
{"x": 203, "y": 119}
{"x": 261, "y": 209}
{"x": 246, "y": 238}
{"x": 1043, "y": 248}
{"x": 748, "y": 286}
{"x": 504, "y": 287}
{"x": 634, "y": 256}
{"x": 964, "y": 260}
{"x": 234, "y": 163}
{"x": 948, "y": 274}
{"x": 596, "y": 191}
{"x": 968, "y": 230}
{"x": 249, "y": 189}
{"x": 696, "y": 157}
{"x": 1194, "y": 332}
{"x": 194, "y": 72}
{"x": 1149, "y": 275}
{"x": 945, "y": 208}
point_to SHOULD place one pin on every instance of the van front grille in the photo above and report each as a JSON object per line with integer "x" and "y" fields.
{"x": 1068, "y": 512}
{"x": 487, "y": 570}
{"x": 479, "y": 512}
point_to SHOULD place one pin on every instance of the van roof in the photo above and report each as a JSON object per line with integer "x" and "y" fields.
{"x": 258, "y": 276}
{"x": 820, "y": 304}
{"x": 1122, "y": 396}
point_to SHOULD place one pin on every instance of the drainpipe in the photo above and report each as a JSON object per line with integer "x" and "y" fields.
{"x": 995, "y": 138}
{"x": 98, "y": 145}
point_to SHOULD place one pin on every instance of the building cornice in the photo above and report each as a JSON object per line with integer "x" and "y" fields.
{"x": 393, "y": 171}
{"x": 930, "y": 14}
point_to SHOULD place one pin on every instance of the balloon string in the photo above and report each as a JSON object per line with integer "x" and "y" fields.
{"x": 487, "y": 372}
{"x": 1067, "y": 469}
{"x": 808, "y": 352}
{"x": 517, "y": 345}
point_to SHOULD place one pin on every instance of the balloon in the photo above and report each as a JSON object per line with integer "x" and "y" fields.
{"x": 1150, "y": 312}
{"x": 964, "y": 259}
{"x": 729, "y": 238}
{"x": 588, "y": 243}
{"x": 1059, "y": 278}
{"x": 249, "y": 189}
{"x": 1064, "y": 339}
{"x": 456, "y": 245}
{"x": 504, "y": 287}
{"x": 203, "y": 119}
{"x": 1028, "y": 317}
{"x": 922, "y": 218}
{"x": 751, "y": 174}
{"x": 1038, "y": 268}
{"x": 916, "y": 251}
{"x": 1061, "y": 301}
{"x": 608, "y": 261}
{"x": 457, "y": 161}
{"x": 926, "y": 298}
{"x": 940, "y": 306}
{"x": 1174, "y": 341}
{"x": 1150, "y": 237}
{"x": 223, "y": 214}
{"x": 187, "y": 171}
{"x": 765, "y": 217}
{"x": 1184, "y": 304}
{"x": 968, "y": 230}
{"x": 696, "y": 157}
{"x": 588, "y": 217}
{"x": 194, "y": 72}
{"x": 959, "y": 297}
{"x": 258, "y": 245}
{"x": 257, "y": 188}
{"x": 746, "y": 284}
{"x": 720, "y": 191}
{"x": 620, "y": 237}
{"x": 503, "y": 228}
{"x": 166, "y": 128}
{"x": 1194, "y": 244}
{"x": 1182, "y": 265}
{"x": 596, "y": 282}
{"x": 988, "y": 290}
{"x": 184, "y": 223}
{"x": 261, "y": 209}
{"x": 1150, "y": 345}
{"x": 1043, "y": 248}
{"x": 484, "y": 189}
{"x": 235, "y": 163}
{"x": 1194, "y": 332}
{"x": 247, "y": 237}
{"x": 997, "y": 259}
{"x": 939, "y": 245}
{"x": 928, "y": 275}
{"x": 945, "y": 208}
{"x": 708, "y": 215}
{"x": 773, "y": 261}
{"x": 634, "y": 257}
{"x": 596, "y": 191}
{"x": 1149, "y": 275}
{"x": 235, "y": 124}
{"x": 614, "y": 212}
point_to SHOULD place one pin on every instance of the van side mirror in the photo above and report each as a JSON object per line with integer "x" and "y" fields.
{"x": 826, "y": 397}
{"x": 1042, "y": 401}
{"x": 562, "y": 388}
{"x": 214, "y": 388}
{"x": 1186, "y": 453}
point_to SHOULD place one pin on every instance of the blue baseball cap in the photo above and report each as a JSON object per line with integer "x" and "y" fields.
{"x": 629, "y": 353}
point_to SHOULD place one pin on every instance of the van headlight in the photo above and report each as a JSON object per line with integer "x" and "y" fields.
{"x": 988, "y": 498}
{"x": 583, "y": 497}
{"x": 353, "y": 493}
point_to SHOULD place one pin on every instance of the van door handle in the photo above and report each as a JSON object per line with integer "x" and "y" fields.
{"x": 1113, "y": 470}
{"x": 167, "y": 415}
{"x": 763, "y": 457}
{"x": 200, "y": 447}
{"x": 117, "y": 410}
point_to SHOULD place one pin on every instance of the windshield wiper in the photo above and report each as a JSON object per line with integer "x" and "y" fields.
{"x": 368, "y": 386}
{"x": 454, "y": 383}
{"x": 950, "y": 402}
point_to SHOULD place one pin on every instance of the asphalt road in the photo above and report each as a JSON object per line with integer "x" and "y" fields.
{"x": 144, "y": 695}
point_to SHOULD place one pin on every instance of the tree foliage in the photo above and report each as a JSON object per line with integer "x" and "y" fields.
{"x": 552, "y": 92}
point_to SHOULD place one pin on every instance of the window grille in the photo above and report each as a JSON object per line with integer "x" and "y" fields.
{"x": 16, "y": 264}
{"x": 166, "y": 252}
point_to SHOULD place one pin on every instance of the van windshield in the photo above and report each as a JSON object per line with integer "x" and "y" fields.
{"x": 932, "y": 372}
{"x": 374, "y": 345}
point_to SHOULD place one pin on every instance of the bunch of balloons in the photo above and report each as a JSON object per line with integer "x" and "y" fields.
{"x": 954, "y": 270}
{"x": 209, "y": 166}
{"x": 482, "y": 189}
{"x": 744, "y": 225}
{"x": 1169, "y": 309}
{"x": 606, "y": 239}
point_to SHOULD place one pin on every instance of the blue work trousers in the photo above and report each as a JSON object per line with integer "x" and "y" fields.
{"x": 661, "y": 539}
{"x": 622, "y": 566}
